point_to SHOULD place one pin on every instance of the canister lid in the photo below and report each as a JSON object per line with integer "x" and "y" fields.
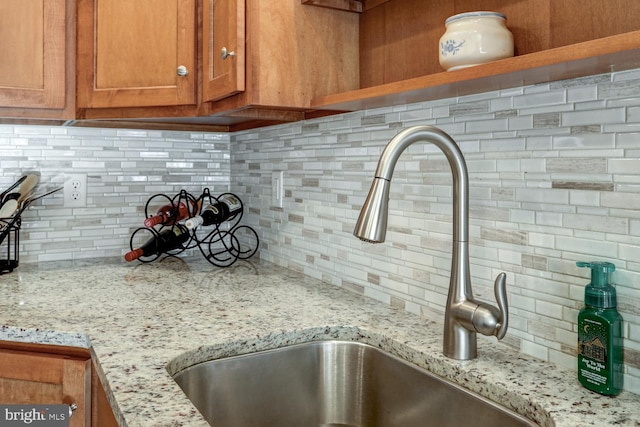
{"x": 479, "y": 14}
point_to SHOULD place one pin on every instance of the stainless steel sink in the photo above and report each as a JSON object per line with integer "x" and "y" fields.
{"x": 333, "y": 383}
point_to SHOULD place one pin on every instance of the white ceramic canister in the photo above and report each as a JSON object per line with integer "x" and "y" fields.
{"x": 474, "y": 38}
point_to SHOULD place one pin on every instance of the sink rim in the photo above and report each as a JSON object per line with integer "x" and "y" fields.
{"x": 332, "y": 346}
{"x": 464, "y": 374}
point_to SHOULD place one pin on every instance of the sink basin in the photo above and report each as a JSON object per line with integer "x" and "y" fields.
{"x": 333, "y": 383}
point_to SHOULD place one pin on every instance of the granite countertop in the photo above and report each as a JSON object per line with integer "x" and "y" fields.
{"x": 145, "y": 321}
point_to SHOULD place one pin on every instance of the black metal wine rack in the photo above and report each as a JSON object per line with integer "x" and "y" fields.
{"x": 220, "y": 244}
{"x": 9, "y": 243}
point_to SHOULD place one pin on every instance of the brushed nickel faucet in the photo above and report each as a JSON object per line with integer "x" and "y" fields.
{"x": 463, "y": 315}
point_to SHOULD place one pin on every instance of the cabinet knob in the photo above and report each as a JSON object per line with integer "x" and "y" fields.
{"x": 225, "y": 53}
{"x": 72, "y": 408}
{"x": 182, "y": 71}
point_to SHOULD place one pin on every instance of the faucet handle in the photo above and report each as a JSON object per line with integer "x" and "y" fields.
{"x": 500, "y": 290}
{"x": 488, "y": 319}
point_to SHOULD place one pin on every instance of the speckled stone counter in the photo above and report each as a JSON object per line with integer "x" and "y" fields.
{"x": 144, "y": 322}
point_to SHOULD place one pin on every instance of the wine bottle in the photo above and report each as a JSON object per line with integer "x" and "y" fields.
{"x": 168, "y": 214}
{"x": 226, "y": 207}
{"x": 168, "y": 239}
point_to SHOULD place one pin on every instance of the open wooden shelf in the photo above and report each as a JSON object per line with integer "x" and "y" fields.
{"x": 609, "y": 54}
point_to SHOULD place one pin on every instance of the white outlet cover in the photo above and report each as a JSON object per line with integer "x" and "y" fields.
{"x": 75, "y": 190}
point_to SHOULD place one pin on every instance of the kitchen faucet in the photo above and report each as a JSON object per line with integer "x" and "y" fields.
{"x": 463, "y": 315}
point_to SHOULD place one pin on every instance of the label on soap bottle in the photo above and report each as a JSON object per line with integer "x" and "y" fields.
{"x": 593, "y": 357}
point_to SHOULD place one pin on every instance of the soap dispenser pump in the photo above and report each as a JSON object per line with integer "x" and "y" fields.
{"x": 600, "y": 350}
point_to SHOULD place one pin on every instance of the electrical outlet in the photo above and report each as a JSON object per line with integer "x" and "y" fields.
{"x": 75, "y": 190}
{"x": 277, "y": 188}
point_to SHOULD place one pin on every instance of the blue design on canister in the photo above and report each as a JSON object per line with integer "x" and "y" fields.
{"x": 450, "y": 46}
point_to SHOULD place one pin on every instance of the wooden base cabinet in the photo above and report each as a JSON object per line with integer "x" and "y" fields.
{"x": 41, "y": 375}
{"x": 101, "y": 412}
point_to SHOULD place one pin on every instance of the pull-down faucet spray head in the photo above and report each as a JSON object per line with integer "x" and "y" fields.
{"x": 372, "y": 224}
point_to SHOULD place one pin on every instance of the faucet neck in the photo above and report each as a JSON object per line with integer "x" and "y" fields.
{"x": 404, "y": 139}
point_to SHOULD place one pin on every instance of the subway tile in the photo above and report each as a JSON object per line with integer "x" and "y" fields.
{"x": 542, "y": 240}
{"x": 490, "y": 125}
{"x": 620, "y": 200}
{"x": 520, "y": 216}
{"x": 514, "y": 237}
{"x": 552, "y": 219}
{"x": 535, "y": 350}
{"x": 499, "y": 104}
{"x": 504, "y": 144}
{"x": 584, "y": 198}
{"x": 579, "y": 185}
{"x": 587, "y": 247}
{"x": 582, "y": 81}
{"x": 605, "y": 224}
{"x": 575, "y": 130}
{"x": 549, "y": 310}
{"x": 593, "y": 117}
{"x": 469, "y": 108}
{"x": 584, "y": 141}
{"x": 520, "y": 122}
{"x": 542, "y": 195}
{"x": 629, "y": 140}
{"x": 533, "y": 165}
{"x": 624, "y": 166}
{"x": 619, "y": 88}
{"x": 536, "y": 262}
{"x": 577, "y": 165}
{"x": 539, "y": 99}
{"x": 582, "y": 94}
{"x": 630, "y": 252}
{"x": 546, "y": 120}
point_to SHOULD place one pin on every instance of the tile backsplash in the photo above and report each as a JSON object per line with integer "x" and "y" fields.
{"x": 123, "y": 167}
{"x": 554, "y": 174}
{"x": 554, "y": 178}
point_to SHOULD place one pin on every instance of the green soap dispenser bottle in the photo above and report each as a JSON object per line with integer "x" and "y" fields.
{"x": 600, "y": 351}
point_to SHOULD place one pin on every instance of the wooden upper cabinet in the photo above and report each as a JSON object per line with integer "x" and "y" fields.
{"x": 553, "y": 40}
{"x": 223, "y": 49}
{"x": 33, "y": 51}
{"x": 294, "y": 53}
{"x": 399, "y": 38}
{"x": 136, "y": 53}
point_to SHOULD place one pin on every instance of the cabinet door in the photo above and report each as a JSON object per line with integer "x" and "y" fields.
{"x": 38, "y": 379}
{"x": 223, "y": 31}
{"x": 130, "y": 53}
{"x": 32, "y": 48}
